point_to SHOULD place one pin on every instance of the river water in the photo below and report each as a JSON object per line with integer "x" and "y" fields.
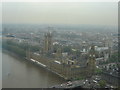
{"x": 17, "y": 73}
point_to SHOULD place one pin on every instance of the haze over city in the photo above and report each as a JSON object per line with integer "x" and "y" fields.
{"x": 60, "y": 45}
{"x": 92, "y": 13}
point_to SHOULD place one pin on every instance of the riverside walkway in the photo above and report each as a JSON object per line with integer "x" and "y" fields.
{"x": 70, "y": 84}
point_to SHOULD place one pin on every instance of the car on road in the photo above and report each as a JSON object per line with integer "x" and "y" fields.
{"x": 69, "y": 83}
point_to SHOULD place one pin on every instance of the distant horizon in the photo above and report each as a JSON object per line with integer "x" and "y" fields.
{"x": 80, "y": 27}
{"x": 57, "y": 24}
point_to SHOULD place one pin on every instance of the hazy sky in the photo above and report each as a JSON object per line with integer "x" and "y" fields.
{"x": 100, "y": 13}
{"x": 0, "y": 12}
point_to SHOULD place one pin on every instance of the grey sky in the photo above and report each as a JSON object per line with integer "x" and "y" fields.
{"x": 100, "y": 13}
{"x": 0, "y": 8}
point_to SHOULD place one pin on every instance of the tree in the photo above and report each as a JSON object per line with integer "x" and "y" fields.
{"x": 102, "y": 83}
{"x": 114, "y": 57}
{"x": 98, "y": 71}
{"x": 67, "y": 49}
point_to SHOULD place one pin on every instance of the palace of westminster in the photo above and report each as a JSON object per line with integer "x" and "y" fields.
{"x": 63, "y": 65}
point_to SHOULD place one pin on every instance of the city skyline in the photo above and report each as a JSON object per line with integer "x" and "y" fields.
{"x": 59, "y": 44}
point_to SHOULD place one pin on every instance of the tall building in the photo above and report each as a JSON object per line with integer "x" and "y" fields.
{"x": 91, "y": 61}
{"x": 48, "y": 42}
{"x": 59, "y": 53}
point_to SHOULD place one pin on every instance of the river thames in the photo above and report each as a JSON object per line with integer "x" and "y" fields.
{"x": 17, "y": 73}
